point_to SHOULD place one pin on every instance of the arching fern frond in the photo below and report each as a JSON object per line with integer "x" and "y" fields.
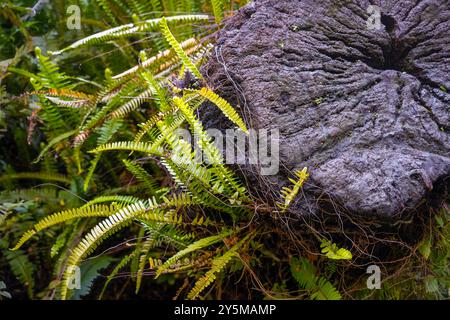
{"x": 129, "y": 146}
{"x": 97, "y": 234}
{"x": 218, "y": 10}
{"x": 178, "y": 49}
{"x": 131, "y": 29}
{"x": 332, "y": 251}
{"x": 218, "y": 264}
{"x": 36, "y": 176}
{"x": 319, "y": 288}
{"x": 113, "y": 198}
{"x": 55, "y": 141}
{"x": 162, "y": 60}
{"x": 202, "y": 243}
{"x": 224, "y": 106}
{"x": 147, "y": 181}
{"x": 60, "y": 217}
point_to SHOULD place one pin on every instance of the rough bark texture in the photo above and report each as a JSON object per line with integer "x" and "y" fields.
{"x": 366, "y": 110}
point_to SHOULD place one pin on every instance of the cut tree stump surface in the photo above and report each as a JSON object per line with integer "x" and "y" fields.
{"x": 367, "y": 111}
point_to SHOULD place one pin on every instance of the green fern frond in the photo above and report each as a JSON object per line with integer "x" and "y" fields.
{"x": 37, "y": 176}
{"x": 55, "y": 141}
{"x": 108, "y": 130}
{"x": 91, "y": 170}
{"x": 146, "y": 247}
{"x": 177, "y": 48}
{"x": 122, "y": 264}
{"x": 97, "y": 234}
{"x": 332, "y": 251}
{"x": 224, "y": 106}
{"x": 163, "y": 60}
{"x": 218, "y": 10}
{"x": 49, "y": 76}
{"x": 288, "y": 194}
{"x": 129, "y": 146}
{"x": 22, "y": 268}
{"x": 147, "y": 181}
{"x": 204, "y": 141}
{"x": 319, "y": 288}
{"x": 132, "y": 29}
{"x": 325, "y": 291}
{"x": 104, "y": 5}
{"x": 133, "y": 104}
{"x": 63, "y": 216}
{"x": 202, "y": 243}
{"x": 169, "y": 235}
{"x": 218, "y": 264}
{"x": 150, "y": 123}
{"x": 113, "y": 198}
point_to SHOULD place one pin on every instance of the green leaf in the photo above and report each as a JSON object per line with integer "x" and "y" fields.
{"x": 425, "y": 248}
{"x": 89, "y": 271}
{"x": 332, "y": 251}
{"x": 22, "y": 268}
{"x": 431, "y": 284}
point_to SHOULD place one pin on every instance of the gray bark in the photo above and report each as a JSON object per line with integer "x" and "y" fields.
{"x": 367, "y": 111}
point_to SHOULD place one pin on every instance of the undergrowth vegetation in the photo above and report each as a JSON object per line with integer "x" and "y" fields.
{"x": 96, "y": 180}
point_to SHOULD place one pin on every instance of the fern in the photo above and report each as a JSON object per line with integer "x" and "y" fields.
{"x": 129, "y": 146}
{"x": 218, "y": 10}
{"x": 224, "y": 106}
{"x": 150, "y": 124}
{"x": 112, "y": 198}
{"x": 146, "y": 247}
{"x": 319, "y": 288}
{"x": 97, "y": 234}
{"x": 57, "y": 218}
{"x": 133, "y": 104}
{"x": 288, "y": 194}
{"x": 23, "y": 269}
{"x": 202, "y": 243}
{"x": 178, "y": 49}
{"x": 332, "y": 251}
{"x": 161, "y": 61}
{"x": 218, "y": 264}
{"x": 147, "y": 181}
{"x": 77, "y": 114}
{"x": 131, "y": 29}
{"x": 122, "y": 264}
{"x": 36, "y": 176}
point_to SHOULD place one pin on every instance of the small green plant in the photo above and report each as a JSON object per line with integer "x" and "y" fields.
{"x": 318, "y": 288}
{"x": 332, "y": 251}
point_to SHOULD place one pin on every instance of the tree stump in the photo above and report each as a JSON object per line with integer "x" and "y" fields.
{"x": 364, "y": 106}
